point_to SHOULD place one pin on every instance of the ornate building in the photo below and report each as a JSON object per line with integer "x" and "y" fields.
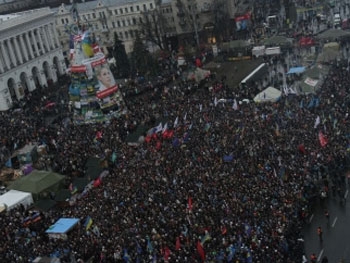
{"x": 30, "y": 54}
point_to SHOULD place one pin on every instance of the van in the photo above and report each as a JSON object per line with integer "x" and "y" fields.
{"x": 336, "y": 19}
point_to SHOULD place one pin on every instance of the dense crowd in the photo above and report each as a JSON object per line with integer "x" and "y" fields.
{"x": 233, "y": 183}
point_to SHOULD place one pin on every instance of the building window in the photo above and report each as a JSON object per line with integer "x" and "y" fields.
{"x": 151, "y": 6}
{"x": 67, "y": 21}
{"x": 118, "y": 23}
{"x": 144, "y": 7}
{"x": 137, "y": 8}
{"x": 129, "y": 24}
{"x": 93, "y": 15}
{"x": 96, "y": 26}
{"x": 126, "y": 34}
{"x": 120, "y": 35}
{"x": 115, "y": 11}
{"x": 131, "y": 34}
{"x": 113, "y": 24}
{"x": 140, "y": 19}
{"x": 134, "y": 21}
{"x": 131, "y": 9}
{"x": 62, "y": 20}
{"x": 123, "y": 22}
{"x": 89, "y": 17}
{"x": 121, "y": 11}
{"x": 126, "y": 10}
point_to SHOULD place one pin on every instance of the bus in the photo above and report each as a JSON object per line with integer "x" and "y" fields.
{"x": 257, "y": 74}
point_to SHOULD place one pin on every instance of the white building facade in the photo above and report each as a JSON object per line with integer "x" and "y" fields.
{"x": 30, "y": 54}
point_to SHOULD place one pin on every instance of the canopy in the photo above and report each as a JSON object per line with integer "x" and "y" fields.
{"x": 270, "y": 94}
{"x": 198, "y": 75}
{"x": 38, "y": 182}
{"x": 278, "y": 40}
{"x": 93, "y": 168}
{"x": 333, "y": 34}
{"x": 14, "y": 198}
{"x": 44, "y": 204}
{"x": 62, "y": 226}
{"x": 296, "y": 70}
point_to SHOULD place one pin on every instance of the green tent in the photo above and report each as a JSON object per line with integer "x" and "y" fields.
{"x": 63, "y": 195}
{"x": 44, "y": 204}
{"x": 93, "y": 168}
{"x": 332, "y": 34}
{"x": 38, "y": 183}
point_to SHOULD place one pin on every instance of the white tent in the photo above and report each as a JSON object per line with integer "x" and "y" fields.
{"x": 269, "y": 94}
{"x": 14, "y": 198}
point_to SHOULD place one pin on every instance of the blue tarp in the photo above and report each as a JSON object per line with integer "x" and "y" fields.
{"x": 296, "y": 70}
{"x": 62, "y": 226}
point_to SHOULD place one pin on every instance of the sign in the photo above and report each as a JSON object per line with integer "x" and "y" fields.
{"x": 311, "y": 82}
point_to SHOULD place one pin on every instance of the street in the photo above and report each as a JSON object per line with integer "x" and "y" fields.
{"x": 336, "y": 231}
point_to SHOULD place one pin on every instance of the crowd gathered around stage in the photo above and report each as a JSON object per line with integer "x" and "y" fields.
{"x": 231, "y": 181}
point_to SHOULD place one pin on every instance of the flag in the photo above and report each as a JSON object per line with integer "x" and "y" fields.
{"x": 88, "y": 223}
{"x": 97, "y": 182}
{"x": 301, "y": 105}
{"x": 247, "y": 229}
{"x": 149, "y": 245}
{"x": 277, "y": 130}
{"x": 176, "y": 122}
{"x": 138, "y": 248}
{"x": 215, "y": 101}
{"x": 178, "y": 244}
{"x": 235, "y": 105}
{"x": 8, "y": 164}
{"x": 207, "y": 127}
{"x": 74, "y": 190}
{"x": 98, "y": 134}
{"x": 126, "y": 256}
{"x": 231, "y": 254}
{"x": 249, "y": 256}
{"x": 159, "y": 128}
{"x": 323, "y": 140}
{"x": 166, "y": 253}
{"x": 165, "y": 128}
{"x": 71, "y": 47}
{"x": 200, "y": 250}
{"x": 205, "y": 238}
{"x": 114, "y": 157}
{"x": 190, "y": 204}
{"x": 317, "y": 122}
{"x": 185, "y": 117}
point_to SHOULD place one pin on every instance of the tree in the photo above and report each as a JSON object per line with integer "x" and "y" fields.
{"x": 122, "y": 64}
{"x": 153, "y": 26}
{"x": 189, "y": 17}
{"x": 222, "y": 21}
{"x": 141, "y": 59}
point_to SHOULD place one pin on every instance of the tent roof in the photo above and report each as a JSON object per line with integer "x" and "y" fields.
{"x": 277, "y": 40}
{"x": 14, "y": 197}
{"x": 296, "y": 70}
{"x": 63, "y": 195}
{"x": 44, "y": 204}
{"x": 62, "y": 226}
{"x": 37, "y": 181}
{"x": 269, "y": 94}
{"x": 333, "y": 33}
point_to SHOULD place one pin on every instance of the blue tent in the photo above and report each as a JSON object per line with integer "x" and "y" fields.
{"x": 62, "y": 226}
{"x": 296, "y": 70}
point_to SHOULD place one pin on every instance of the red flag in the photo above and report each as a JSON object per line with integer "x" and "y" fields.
{"x": 177, "y": 244}
{"x": 223, "y": 230}
{"x": 97, "y": 182}
{"x": 301, "y": 148}
{"x": 323, "y": 140}
{"x": 148, "y": 138}
{"x": 200, "y": 250}
{"x": 190, "y": 203}
{"x": 99, "y": 135}
{"x": 158, "y": 145}
{"x": 166, "y": 253}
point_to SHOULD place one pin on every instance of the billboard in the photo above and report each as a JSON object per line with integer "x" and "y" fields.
{"x": 242, "y": 22}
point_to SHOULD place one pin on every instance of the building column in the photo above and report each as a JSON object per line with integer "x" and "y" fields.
{"x": 49, "y": 37}
{"x": 23, "y": 47}
{"x": 46, "y": 42}
{"x": 29, "y": 45}
{"x": 55, "y": 38}
{"x": 4, "y": 54}
{"x": 40, "y": 40}
{"x": 35, "y": 44}
{"x": 18, "y": 51}
{"x": 12, "y": 54}
{"x": 1, "y": 65}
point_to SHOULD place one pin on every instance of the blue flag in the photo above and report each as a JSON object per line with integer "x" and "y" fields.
{"x": 149, "y": 246}
{"x": 126, "y": 256}
{"x": 9, "y": 163}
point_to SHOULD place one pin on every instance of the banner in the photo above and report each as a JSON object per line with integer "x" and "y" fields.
{"x": 242, "y": 22}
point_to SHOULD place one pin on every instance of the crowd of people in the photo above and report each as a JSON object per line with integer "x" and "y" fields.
{"x": 232, "y": 183}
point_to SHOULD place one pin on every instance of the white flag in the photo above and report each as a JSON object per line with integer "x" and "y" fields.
{"x": 235, "y": 105}
{"x": 176, "y": 122}
{"x": 215, "y": 101}
{"x": 165, "y": 127}
{"x": 159, "y": 128}
{"x": 185, "y": 117}
{"x": 317, "y": 122}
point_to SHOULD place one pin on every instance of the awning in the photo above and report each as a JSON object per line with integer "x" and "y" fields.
{"x": 296, "y": 70}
